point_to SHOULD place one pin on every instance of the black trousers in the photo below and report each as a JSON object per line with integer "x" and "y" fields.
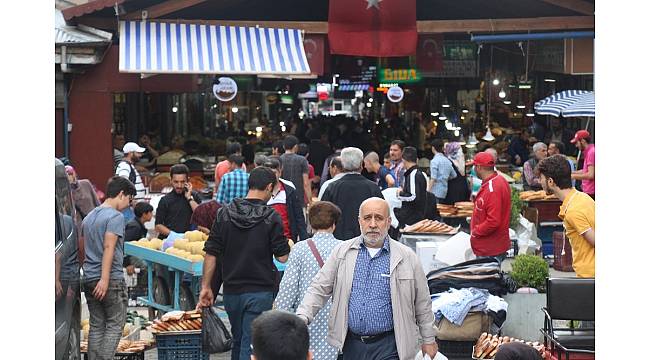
{"x": 382, "y": 349}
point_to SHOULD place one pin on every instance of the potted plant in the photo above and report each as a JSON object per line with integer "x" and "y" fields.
{"x": 525, "y": 316}
{"x": 530, "y": 272}
{"x": 515, "y": 208}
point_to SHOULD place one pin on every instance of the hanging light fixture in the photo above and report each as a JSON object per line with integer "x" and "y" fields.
{"x": 502, "y": 94}
{"x": 445, "y": 105}
{"x": 495, "y": 82}
{"x": 442, "y": 117}
{"x": 472, "y": 141}
{"x": 449, "y": 125}
{"x": 435, "y": 113}
{"x": 488, "y": 136}
{"x": 521, "y": 106}
{"x": 465, "y": 111}
{"x": 507, "y": 102}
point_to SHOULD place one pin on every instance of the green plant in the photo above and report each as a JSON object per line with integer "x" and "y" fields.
{"x": 530, "y": 271}
{"x": 515, "y": 207}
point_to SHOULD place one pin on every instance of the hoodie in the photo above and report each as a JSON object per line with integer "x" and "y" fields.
{"x": 245, "y": 236}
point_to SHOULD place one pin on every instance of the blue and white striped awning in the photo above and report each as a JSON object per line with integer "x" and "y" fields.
{"x": 353, "y": 87}
{"x": 569, "y": 103}
{"x": 165, "y": 47}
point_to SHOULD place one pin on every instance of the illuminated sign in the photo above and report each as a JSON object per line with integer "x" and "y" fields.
{"x": 399, "y": 75}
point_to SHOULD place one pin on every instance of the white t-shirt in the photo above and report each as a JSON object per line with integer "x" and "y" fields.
{"x": 373, "y": 251}
{"x": 124, "y": 169}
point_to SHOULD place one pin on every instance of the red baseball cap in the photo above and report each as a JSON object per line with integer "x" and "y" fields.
{"x": 580, "y": 134}
{"x": 484, "y": 159}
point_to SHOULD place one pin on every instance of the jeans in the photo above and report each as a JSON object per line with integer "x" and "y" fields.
{"x": 242, "y": 309}
{"x": 383, "y": 349}
{"x": 107, "y": 318}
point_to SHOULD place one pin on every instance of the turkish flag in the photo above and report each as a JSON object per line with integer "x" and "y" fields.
{"x": 315, "y": 50}
{"x": 380, "y": 28}
{"x": 430, "y": 53}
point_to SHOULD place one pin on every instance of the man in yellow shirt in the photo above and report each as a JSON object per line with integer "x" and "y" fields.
{"x": 578, "y": 213}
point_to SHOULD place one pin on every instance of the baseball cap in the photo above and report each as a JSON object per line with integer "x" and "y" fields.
{"x": 132, "y": 147}
{"x": 580, "y": 134}
{"x": 484, "y": 159}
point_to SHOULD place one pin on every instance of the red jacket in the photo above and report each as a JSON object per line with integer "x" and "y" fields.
{"x": 491, "y": 218}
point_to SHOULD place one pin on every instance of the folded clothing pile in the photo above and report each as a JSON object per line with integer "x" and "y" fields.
{"x": 478, "y": 273}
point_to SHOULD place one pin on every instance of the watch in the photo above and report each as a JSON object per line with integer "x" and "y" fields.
{"x": 191, "y": 199}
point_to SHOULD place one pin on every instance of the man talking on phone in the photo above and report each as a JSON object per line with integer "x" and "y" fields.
{"x": 175, "y": 209}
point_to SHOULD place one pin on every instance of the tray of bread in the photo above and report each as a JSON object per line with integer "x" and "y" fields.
{"x": 125, "y": 346}
{"x": 487, "y": 346}
{"x": 536, "y": 196}
{"x": 430, "y": 227}
{"x": 177, "y": 321}
{"x": 459, "y": 209}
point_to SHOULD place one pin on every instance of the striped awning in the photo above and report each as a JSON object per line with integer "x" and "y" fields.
{"x": 164, "y": 47}
{"x": 353, "y": 87}
{"x": 569, "y": 103}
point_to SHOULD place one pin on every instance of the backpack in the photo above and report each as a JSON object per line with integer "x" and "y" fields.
{"x": 132, "y": 175}
{"x": 457, "y": 188}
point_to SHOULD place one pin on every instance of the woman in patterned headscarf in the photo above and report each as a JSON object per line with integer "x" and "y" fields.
{"x": 454, "y": 152}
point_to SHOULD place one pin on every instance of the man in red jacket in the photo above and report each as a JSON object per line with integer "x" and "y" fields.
{"x": 491, "y": 217}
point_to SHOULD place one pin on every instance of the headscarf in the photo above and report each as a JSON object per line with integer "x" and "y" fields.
{"x": 452, "y": 150}
{"x": 70, "y": 170}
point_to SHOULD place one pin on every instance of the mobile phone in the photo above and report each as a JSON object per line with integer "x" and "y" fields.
{"x": 185, "y": 188}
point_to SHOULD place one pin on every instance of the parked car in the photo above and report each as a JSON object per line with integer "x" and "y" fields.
{"x": 67, "y": 263}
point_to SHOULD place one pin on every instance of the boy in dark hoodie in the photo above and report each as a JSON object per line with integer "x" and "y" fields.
{"x": 245, "y": 236}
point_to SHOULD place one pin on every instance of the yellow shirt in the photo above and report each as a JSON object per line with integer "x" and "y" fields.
{"x": 578, "y": 212}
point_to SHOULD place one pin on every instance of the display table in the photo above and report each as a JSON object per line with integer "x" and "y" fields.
{"x": 547, "y": 210}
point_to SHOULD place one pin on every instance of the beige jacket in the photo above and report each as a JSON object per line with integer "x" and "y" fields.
{"x": 409, "y": 295}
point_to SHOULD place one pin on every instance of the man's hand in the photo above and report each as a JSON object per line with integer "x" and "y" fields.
{"x": 58, "y": 288}
{"x": 517, "y": 160}
{"x": 100, "y": 289}
{"x": 206, "y": 298}
{"x": 130, "y": 269}
{"x": 430, "y": 349}
{"x": 188, "y": 193}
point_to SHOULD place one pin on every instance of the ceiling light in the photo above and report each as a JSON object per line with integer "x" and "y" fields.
{"x": 377, "y": 122}
{"x": 445, "y": 105}
{"x": 284, "y": 129}
{"x": 449, "y": 125}
{"x": 371, "y": 100}
{"x": 234, "y": 109}
{"x": 369, "y": 104}
{"x": 258, "y": 129}
{"x": 174, "y": 109}
{"x": 442, "y": 117}
{"x": 281, "y": 123}
{"x": 530, "y": 115}
{"x": 462, "y": 118}
{"x": 488, "y": 136}
{"x": 495, "y": 82}
{"x": 456, "y": 133}
{"x": 465, "y": 111}
{"x": 472, "y": 139}
{"x": 549, "y": 80}
{"x": 435, "y": 113}
{"x": 521, "y": 106}
{"x": 507, "y": 102}
{"x": 502, "y": 94}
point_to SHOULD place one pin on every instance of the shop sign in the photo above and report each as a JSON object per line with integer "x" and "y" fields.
{"x": 225, "y": 89}
{"x": 395, "y": 94}
{"x": 399, "y": 75}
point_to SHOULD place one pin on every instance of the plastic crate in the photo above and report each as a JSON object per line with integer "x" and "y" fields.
{"x": 180, "y": 346}
{"x": 456, "y": 348}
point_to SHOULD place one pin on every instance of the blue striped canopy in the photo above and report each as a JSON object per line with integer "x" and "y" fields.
{"x": 165, "y": 47}
{"x": 569, "y": 103}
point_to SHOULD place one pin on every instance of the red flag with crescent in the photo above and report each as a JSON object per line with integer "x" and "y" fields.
{"x": 315, "y": 50}
{"x": 381, "y": 28}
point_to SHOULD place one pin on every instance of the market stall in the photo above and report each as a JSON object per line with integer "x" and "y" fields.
{"x": 183, "y": 257}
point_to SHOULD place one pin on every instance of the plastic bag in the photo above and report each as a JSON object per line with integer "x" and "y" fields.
{"x": 214, "y": 335}
{"x": 527, "y": 239}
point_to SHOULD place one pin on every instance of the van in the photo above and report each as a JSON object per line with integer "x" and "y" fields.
{"x": 67, "y": 305}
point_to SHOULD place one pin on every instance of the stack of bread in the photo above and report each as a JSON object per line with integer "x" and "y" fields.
{"x": 124, "y": 346}
{"x": 177, "y": 321}
{"x": 447, "y": 210}
{"x": 430, "y": 227}
{"x": 487, "y": 345}
{"x": 535, "y": 196}
{"x": 465, "y": 208}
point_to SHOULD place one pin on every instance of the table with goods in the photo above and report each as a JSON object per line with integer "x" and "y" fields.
{"x": 548, "y": 222}
{"x": 178, "y": 335}
{"x": 487, "y": 346}
{"x": 183, "y": 257}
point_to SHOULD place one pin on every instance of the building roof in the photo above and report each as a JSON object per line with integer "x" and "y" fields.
{"x": 80, "y": 34}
